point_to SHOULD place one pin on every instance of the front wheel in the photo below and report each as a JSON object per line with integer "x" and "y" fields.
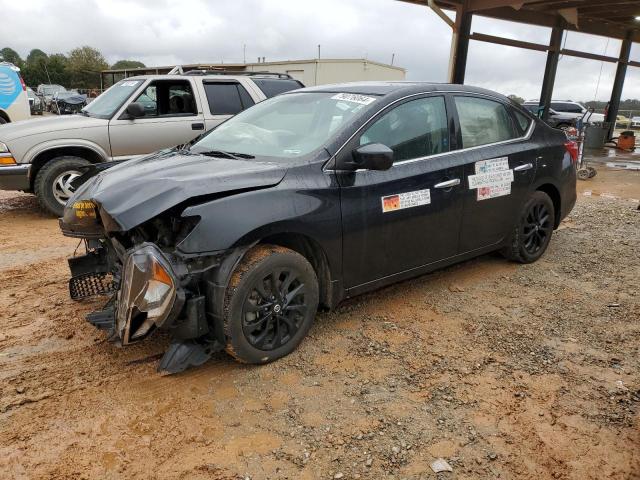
{"x": 270, "y": 304}
{"x": 532, "y": 234}
{"x": 53, "y": 182}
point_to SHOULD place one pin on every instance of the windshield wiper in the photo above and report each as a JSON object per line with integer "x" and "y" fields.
{"x": 222, "y": 153}
{"x": 85, "y": 113}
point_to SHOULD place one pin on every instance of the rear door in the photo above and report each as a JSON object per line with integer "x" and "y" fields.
{"x": 172, "y": 117}
{"x": 499, "y": 166}
{"x": 408, "y": 216}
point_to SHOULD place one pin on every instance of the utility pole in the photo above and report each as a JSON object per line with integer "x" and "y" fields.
{"x": 318, "y": 52}
{"x": 393, "y": 56}
{"x": 244, "y": 53}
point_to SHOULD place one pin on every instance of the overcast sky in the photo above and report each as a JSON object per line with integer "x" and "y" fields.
{"x": 167, "y": 32}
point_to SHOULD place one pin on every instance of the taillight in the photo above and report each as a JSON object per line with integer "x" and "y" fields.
{"x": 572, "y": 150}
{"x": 24, "y": 87}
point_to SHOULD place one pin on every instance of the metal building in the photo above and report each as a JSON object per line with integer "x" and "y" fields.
{"x": 310, "y": 72}
{"x": 619, "y": 19}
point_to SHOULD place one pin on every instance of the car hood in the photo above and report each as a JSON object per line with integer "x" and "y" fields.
{"x": 47, "y": 125}
{"x": 137, "y": 190}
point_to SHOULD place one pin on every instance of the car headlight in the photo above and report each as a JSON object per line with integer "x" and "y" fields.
{"x": 147, "y": 295}
{"x": 4, "y": 148}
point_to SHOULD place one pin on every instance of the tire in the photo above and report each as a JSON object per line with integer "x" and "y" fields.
{"x": 261, "y": 326}
{"x": 2, "y": 121}
{"x": 564, "y": 126}
{"x": 51, "y": 184}
{"x": 532, "y": 234}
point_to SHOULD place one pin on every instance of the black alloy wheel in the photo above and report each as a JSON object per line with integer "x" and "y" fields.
{"x": 531, "y": 235}
{"x": 537, "y": 228}
{"x": 274, "y": 310}
{"x": 270, "y": 304}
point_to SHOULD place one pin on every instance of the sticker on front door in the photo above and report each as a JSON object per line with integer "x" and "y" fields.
{"x": 399, "y": 201}
{"x": 492, "y": 179}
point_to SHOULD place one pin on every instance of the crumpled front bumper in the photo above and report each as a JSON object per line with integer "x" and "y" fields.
{"x": 14, "y": 177}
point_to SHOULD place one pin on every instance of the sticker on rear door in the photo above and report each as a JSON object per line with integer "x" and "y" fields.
{"x": 354, "y": 98}
{"x": 399, "y": 201}
{"x": 492, "y": 179}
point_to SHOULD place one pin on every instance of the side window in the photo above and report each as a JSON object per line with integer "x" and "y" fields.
{"x": 227, "y": 98}
{"x": 275, "y": 86}
{"x": 415, "y": 129}
{"x": 523, "y": 121}
{"x": 483, "y": 121}
{"x": 168, "y": 98}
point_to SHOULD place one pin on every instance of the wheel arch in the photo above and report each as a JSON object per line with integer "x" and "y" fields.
{"x": 47, "y": 154}
{"x": 5, "y": 116}
{"x": 313, "y": 252}
{"x": 553, "y": 192}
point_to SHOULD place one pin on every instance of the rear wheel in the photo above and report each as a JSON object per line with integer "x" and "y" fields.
{"x": 2, "y": 120}
{"x": 270, "y": 304}
{"x": 53, "y": 182}
{"x": 532, "y": 234}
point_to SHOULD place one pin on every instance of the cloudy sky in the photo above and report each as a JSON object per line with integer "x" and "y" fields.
{"x": 167, "y": 32}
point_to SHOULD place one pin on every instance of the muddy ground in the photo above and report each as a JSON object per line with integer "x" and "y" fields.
{"x": 506, "y": 371}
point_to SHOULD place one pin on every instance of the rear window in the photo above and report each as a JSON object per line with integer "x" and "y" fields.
{"x": 275, "y": 86}
{"x": 227, "y": 98}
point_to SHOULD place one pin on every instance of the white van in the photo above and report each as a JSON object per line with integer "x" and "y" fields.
{"x": 14, "y": 102}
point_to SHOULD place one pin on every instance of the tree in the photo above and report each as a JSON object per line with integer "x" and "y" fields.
{"x": 57, "y": 68}
{"x": 35, "y": 69}
{"x": 516, "y": 98}
{"x": 84, "y": 66}
{"x": 10, "y": 55}
{"x": 127, "y": 64}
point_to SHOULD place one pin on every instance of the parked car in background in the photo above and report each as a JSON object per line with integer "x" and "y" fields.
{"x": 134, "y": 117}
{"x": 571, "y": 109}
{"x": 68, "y": 101}
{"x": 36, "y": 102}
{"x": 14, "y": 102}
{"x": 47, "y": 91}
{"x": 309, "y": 198}
{"x": 556, "y": 119}
{"x": 635, "y": 122}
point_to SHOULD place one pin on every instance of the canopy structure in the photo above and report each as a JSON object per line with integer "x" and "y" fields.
{"x": 618, "y": 19}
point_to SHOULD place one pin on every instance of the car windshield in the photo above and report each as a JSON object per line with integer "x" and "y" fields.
{"x": 285, "y": 126}
{"x": 105, "y": 105}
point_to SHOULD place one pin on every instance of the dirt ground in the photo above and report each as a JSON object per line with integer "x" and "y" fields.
{"x": 506, "y": 371}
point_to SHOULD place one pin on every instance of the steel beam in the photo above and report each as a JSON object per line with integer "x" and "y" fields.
{"x": 618, "y": 83}
{"x": 460, "y": 46}
{"x": 553, "y": 56}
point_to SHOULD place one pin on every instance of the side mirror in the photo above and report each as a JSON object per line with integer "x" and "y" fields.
{"x": 135, "y": 110}
{"x": 374, "y": 156}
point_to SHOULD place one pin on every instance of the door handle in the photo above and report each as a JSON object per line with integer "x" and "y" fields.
{"x": 448, "y": 183}
{"x": 522, "y": 168}
{"x": 197, "y": 126}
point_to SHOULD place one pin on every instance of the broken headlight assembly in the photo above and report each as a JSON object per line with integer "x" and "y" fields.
{"x": 147, "y": 295}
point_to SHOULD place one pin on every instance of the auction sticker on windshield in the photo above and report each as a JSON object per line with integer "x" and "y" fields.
{"x": 399, "y": 201}
{"x": 354, "y": 98}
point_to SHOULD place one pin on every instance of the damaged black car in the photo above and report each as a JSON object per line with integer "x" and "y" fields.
{"x": 234, "y": 241}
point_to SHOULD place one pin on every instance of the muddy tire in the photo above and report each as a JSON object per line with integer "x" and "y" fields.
{"x": 52, "y": 184}
{"x": 270, "y": 304}
{"x": 532, "y": 234}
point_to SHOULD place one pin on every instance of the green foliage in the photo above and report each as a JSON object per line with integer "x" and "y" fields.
{"x": 35, "y": 69}
{"x": 127, "y": 64}
{"x": 84, "y": 66}
{"x": 516, "y": 99}
{"x": 10, "y": 55}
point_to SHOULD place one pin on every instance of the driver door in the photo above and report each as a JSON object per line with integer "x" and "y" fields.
{"x": 407, "y": 217}
{"x": 171, "y": 118}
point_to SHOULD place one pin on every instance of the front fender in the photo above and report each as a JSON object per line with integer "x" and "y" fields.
{"x": 248, "y": 217}
{"x": 42, "y": 147}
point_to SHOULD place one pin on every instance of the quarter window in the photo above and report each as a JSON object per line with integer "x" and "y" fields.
{"x": 483, "y": 121}
{"x": 415, "y": 129}
{"x": 275, "y": 86}
{"x": 227, "y": 98}
{"x": 523, "y": 121}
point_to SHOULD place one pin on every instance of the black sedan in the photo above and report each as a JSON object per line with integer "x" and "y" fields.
{"x": 234, "y": 241}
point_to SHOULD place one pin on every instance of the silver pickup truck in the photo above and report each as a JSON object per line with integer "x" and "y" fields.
{"x": 136, "y": 116}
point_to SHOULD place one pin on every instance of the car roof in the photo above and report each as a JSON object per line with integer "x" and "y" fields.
{"x": 398, "y": 87}
{"x": 217, "y": 76}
